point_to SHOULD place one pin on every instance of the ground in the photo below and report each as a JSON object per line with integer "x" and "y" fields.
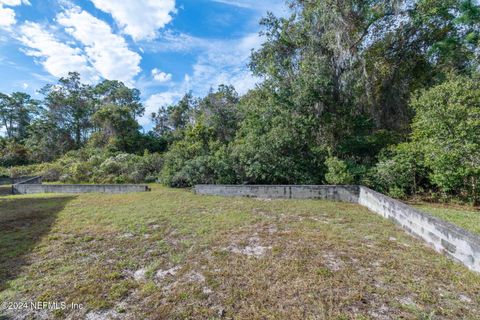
{"x": 170, "y": 254}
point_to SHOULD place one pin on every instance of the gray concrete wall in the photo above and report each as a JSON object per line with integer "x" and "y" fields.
{"x": 444, "y": 237}
{"x": 337, "y": 193}
{"x": 78, "y": 188}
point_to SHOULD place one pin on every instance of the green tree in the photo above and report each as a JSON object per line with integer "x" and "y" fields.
{"x": 112, "y": 92}
{"x": 447, "y": 128}
{"x": 17, "y": 110}
{"x": 119, "y": 131}
{"x": 199, "y": 156}
{"x": 220, "y": 110}
{"x": 70, "y": 106}
{"x": 47, "y": 141}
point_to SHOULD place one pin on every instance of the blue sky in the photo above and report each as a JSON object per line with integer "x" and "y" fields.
{"x": 162, "y": 47}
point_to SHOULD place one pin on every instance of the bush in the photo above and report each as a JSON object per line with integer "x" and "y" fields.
{"x": 52, "y": 172}
{"x": 13, "y": 154}
{"x": 95, "y": 166}
{"x": 337, "y": 172}
{"x": 447, "y": 130}
{"x": 400, "y": 171}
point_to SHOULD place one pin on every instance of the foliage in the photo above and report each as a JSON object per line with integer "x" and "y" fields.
{"x": 12, "y": 153}
{"x": 96, "y": 166}
{"x": 16, "y": 113}
{"x": 401, "y": 171}
{"x": 213, "y": 123}
{"x": 447, "y": 128}
{"x": 69, "y": 106}
{"x": 337, "y": 172}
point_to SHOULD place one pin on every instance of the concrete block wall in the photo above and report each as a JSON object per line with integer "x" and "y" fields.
{"x": 444, "y": 237}
{"x": 338, "y": 193}
{"x": 34, "y": 186}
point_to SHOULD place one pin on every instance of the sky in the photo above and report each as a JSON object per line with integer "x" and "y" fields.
{"x": 165, "y": 48}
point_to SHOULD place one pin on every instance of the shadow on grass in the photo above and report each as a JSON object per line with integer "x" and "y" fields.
{"x": 23, "y": 222}
{"x": 5, "y": 190}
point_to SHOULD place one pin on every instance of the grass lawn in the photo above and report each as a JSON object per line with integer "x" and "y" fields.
{"x": 170, "y": 254}
{"x": 463, "y": 216}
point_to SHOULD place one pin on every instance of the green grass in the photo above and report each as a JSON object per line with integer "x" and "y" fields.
{"x": 462, "y": 216}
{"x": 170, "y": 254}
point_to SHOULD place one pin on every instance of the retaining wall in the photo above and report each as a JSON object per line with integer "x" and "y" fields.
{"x": 338, "y": 193}
{"x": 444, "y": 237}
{"x": 34, "y": 186}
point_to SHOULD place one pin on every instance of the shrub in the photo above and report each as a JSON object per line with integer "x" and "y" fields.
{"x": 447, "y": 129}
{"x": 95, "y": 166}
{"x": 337, "y": 172}
{"x": 400, "y": 171}
{"x": 13, "y": 154}
{"x": 52, "y": 172}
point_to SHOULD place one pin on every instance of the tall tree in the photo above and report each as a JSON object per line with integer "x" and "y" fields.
{"x": 112, "y": 92}
{"x": 332, "y": 58}
{"x": 16, "y": 113}
{"x": 171, "y": 121}
{"x": 119, "y": 129}
{"x": 220, "y": 110}
{"x": 70, "y": 106}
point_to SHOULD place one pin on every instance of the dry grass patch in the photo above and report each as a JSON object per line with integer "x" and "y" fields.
{"x": 170, "y": 254}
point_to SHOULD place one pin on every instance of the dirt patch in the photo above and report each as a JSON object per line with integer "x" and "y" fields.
{"x": 253, "y": 248}
{"x": 163, "y": 274}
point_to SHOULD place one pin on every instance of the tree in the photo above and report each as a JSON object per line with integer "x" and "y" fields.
{"x": 205, "y": 129}
{"x": 447, "y": 128}
{"x": 110, "y": 92}
{"x": 180, "y": 114}
{"x": 119, "y": 129}
{"x": 220, "y": 110}
{"x": 339, "y": 59}
{"x": 16, "y": 113}
{"x": 160, "y": 119}
{"x": 170, "y": 122}
{"x": 47, "y": 141}
{"x": 70, "y": 106}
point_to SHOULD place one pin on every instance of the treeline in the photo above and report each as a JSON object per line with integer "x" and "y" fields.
{"x": 382, "y": 93}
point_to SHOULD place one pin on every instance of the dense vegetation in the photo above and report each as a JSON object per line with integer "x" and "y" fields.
{"x": 382, "y": 93}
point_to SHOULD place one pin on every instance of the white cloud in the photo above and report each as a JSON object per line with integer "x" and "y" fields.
{"x": 56, "y": 57}
{"x": 161, "y": 76}
{"x": 7, "y": 15}
{"x": 107, "y": 52}
{"x": 139, "y": 19}
{"x": 223, "y": 62}
{"x": 218, "y": 62}
{"x": 14, "y": 3}
{"x": 238, "y": 3}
